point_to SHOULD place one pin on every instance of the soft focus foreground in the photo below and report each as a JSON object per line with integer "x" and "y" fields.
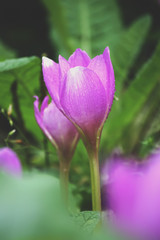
{"x": 31, "y": 209}
{"x": 132, "y": 191}
{"x": 31, "y": 206}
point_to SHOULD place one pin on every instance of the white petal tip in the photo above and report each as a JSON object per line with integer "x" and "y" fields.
{"x": 46, "y": 62}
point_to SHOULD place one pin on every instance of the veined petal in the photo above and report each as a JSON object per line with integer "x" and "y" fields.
{"x": 111, "y": 81}
{"x": 44, "y": 104}
{"x": 59, "y": 127}
{"x": 98, "y": 65}
{"x": 79, "y": 58}
{"x": 83, "y": 99}
{"x": 64, "y": 66}
{"x": 37, "y": 112}
{"x": 39, "y": 119}
{"x": 51, "y": 78}
{"x": 102, "y": 66}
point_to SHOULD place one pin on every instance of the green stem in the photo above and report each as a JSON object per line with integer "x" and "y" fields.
{"x": 95, "y": 181}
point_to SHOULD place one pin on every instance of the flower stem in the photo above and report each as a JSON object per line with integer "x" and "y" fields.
{"x": 64, "y": 178}
{"x": 95, "y": 181}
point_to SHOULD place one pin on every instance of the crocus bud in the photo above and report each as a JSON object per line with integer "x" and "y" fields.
{"x": 58, "y": 129}
{"x": 133, "y": 194}
{"x": 9, "y": 162}
{"x": 83, "y": 89}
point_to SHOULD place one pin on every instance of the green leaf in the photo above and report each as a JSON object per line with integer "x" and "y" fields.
{"x": 15, "y": 64}
{"x": 31, "y": 207}
{"x": 155, "y": 126}
{"x": 133, "y": 102}
{"x": 87, "y": 221}
{"x": 125, "y": 52}
{"x": 138, "y": 128}
{"x": 88, "y": 24}
{"x": 58, "y": 25}
{"x": 150, "y": 139}
{"x": 25, "y": 72}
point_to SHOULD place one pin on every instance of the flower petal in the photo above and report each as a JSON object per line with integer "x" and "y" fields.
{"x": 83, "y": 99}
{"x": 79, "y": 58}
{"x": 102, "y": 66}
{"x": 60, "y": 128}
{"x": 44, "y": 104}
{"x": 9, "y": 162}
{"x": 37, "y": 112}
{"x": 51, "y": 78}
{"x": 111, "y": 78}
{"x": 39, "y": 119}
{"x": 64, "y": 66}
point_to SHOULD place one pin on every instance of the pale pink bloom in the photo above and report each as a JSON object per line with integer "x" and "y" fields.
{"x": 58, "y": 129}
{"x": 82, "y": 88}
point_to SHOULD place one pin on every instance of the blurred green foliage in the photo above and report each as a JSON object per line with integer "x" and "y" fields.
{"x": 32, "y": 209}
{"x": 133, "y": 125}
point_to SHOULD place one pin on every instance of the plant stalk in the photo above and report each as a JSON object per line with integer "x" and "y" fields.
{"x": 95, "y": 181}
{"x": 64, "y": 178}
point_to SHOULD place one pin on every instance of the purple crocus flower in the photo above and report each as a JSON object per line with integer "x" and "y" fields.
{"x": 133, "y": 194}
{"x": 83, "y": 89}
{"x": 9, "y": 162}
{"x": 58, "y": 129}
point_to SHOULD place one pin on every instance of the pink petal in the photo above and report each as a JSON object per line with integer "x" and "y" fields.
{"x": 64, "y": 66}
{"x": 111, "y": 78}
{"x": 123, "y": 190}
{"x": 59, "y": 127}
{"x": 44, "y": 104}
{"x": 39, "y": 119}
{"x": 98, "y": 65}
{"x": 51, "y": 78}
{"x": 133, "y": 192}
{"x": 83, "y": 99}
{"x": 79, "y": 58}
{"x": 36, "y": 111}
{"x": 9, "y": 162}
{"x": 102, "y": 66}
{"x": 148, "y": 213}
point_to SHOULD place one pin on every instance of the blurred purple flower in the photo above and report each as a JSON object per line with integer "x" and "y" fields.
{"x": 58, "y": 129}
{"x": 133, "y": 193}
{"x": 9, "y": 162}
{"x": 83, "y": 89}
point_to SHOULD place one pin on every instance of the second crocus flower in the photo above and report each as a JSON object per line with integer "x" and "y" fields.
{"x": 61, "y": 133}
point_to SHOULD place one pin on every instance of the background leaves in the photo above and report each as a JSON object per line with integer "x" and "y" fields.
{"x": 133, "y": 124}
{"x": 31, "y": 207}
{"x": 20, "y": 77}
